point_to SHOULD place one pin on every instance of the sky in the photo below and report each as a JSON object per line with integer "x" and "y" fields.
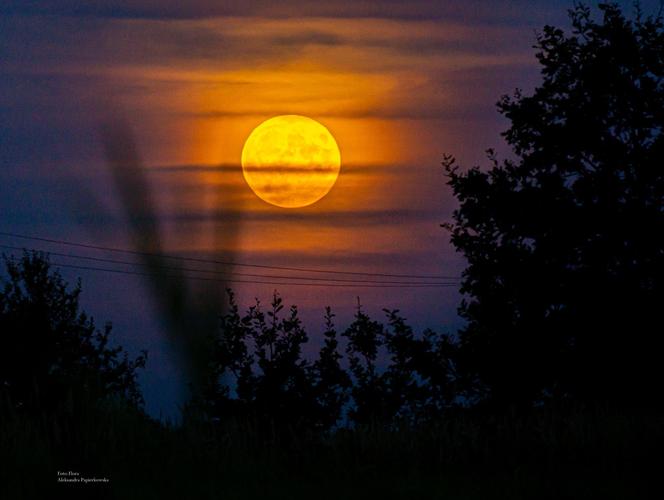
{"x": 398, "y": 84}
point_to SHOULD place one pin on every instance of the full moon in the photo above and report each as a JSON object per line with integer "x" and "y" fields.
{"x": 290, "y": 161}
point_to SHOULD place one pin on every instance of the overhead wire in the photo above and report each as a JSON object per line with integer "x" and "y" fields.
{"x": 256, "y": 282}
{"x": 225, "y": 273}
{"x": 220, "y": 262}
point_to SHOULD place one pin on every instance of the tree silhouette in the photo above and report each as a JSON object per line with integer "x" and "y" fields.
{"x": 393, "y": 376}
{"x": 257, "y": 368}
{"x": 52, "y": 353}
{"x": 231, "y": 359}
{"x": 365, "y": 337}
{"x": 282, "y": 391}
{"x": 564, "y": 242}
{"x": 331, "y": 382}
{"x": 419, "y": 380}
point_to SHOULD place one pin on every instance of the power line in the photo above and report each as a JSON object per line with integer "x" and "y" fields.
{"x": 225, "y": 263}
{"x": 255, "y": 282}
{"x": 222, "y": 273}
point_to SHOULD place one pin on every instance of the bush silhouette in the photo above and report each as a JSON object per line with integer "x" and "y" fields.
{"x": 53, "y": 355}
{"x": 330, "y": 381}
{"x": 564, "y": 243}
{"x": 258, "y": 357}
{"x": 416, "y": 384}
{"x": 259, "y": 372}
{"x": 365, "y": 337}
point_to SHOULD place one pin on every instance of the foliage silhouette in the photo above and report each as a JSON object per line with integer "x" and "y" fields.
{"x": 421, "y": 376}
{"x": 547, "y": 453}
{"x": 564, "y": 242}
{"x": 259, "y": 357}
{"x": 53, "y": 355}
{"x": 417, "y": 383}
{"x": 365, "y": 337}
{"x": 330, "y": 381}
{"x": 259, "y": 373}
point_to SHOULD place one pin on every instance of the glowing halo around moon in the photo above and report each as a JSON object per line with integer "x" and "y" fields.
{"x": 290, "y": 161}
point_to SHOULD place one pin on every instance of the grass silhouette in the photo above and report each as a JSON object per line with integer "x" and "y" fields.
{"x": 561, "y": 453}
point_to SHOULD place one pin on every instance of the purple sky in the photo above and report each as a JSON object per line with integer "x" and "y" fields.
{"x": 398, "y": 84}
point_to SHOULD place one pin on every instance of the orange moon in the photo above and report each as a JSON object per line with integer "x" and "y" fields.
{"x": 291, "y": 161}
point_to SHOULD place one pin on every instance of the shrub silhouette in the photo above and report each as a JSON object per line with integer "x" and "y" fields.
{"x": 259, "y": 358}
{"x": 330, "y": 381}
{"x": 259, "y": 373}
{"x": 564, "y": 243}
{"x": 52, "y": 355}
{"x": 417, "y": 382}
{"x": 365, "y": 337}
{"x": 421, "y": 377}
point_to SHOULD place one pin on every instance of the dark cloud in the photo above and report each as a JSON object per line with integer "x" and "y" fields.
{"x": 348, "y": 169}
{"x": 486, "y": 38}
{"x": 314, "y": 217}
{"x": 449, "y": 112}
{"x": 308, "y": 37}
{"x": 514, "y": 11}
{"x": 446, "y": 96}
{"x": 65, "y": 44}
{"x": 175, "y": 9}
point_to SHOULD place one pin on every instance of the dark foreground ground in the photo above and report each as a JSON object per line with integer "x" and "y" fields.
{"x": 545, "y": 454}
